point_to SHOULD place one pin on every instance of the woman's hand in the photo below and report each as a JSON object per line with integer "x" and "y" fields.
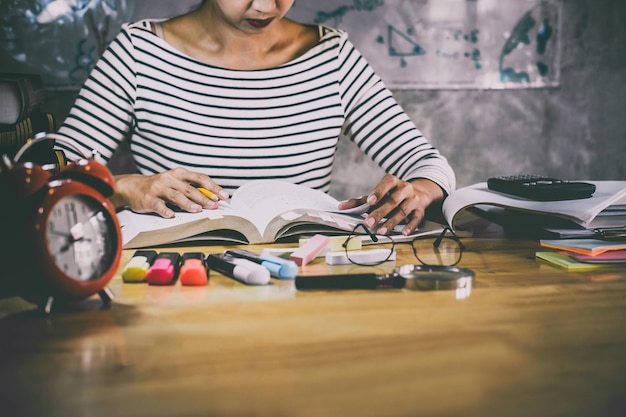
{"x": 153, "y": 193}
{"x": 397, "y": 201}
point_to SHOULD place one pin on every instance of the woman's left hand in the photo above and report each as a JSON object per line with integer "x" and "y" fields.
{"x": 397, "y": 201}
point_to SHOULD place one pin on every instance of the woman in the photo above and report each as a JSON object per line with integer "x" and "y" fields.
{"x": 234, "y": 91}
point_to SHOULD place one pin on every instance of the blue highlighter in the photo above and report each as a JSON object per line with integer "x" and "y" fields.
{"x": 278, "y": 267}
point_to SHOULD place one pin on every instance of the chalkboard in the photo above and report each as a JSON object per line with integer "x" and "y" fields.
{"x": 412, "y": 44}
{"x": 62, "y": 39}
{"x": 421, "y": 44}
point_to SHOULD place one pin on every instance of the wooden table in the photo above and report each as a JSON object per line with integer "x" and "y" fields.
{"x": 530, "y": 340}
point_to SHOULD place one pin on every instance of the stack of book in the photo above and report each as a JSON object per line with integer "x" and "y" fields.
{"x": 21, "y": 115}
{"x": 606, "y": 208}
{"x": 573, "y": 228}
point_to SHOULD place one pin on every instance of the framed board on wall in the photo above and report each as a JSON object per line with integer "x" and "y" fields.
{"x": 63, "y": 39}
{"x": 450, "y": 44}
{"x": 412, "y": 44}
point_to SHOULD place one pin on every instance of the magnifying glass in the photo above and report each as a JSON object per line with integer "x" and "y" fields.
{"x": 412, "y": 277}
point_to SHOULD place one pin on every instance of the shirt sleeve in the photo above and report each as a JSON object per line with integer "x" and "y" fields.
{"x": 102, "y": 114}
{"x": 378, "y": 125}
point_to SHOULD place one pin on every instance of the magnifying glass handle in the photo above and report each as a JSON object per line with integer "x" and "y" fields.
{"x": 348, "y": 281}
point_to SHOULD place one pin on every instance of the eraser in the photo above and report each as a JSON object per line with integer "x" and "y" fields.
{"x": 164, "y": 270}
{"x": 192, "y": 269}
{"x": 304, "y": 254}
{"x": 362, "y": 257}
{"x": 138, "y": 266}
{"x": 335, "y": 243}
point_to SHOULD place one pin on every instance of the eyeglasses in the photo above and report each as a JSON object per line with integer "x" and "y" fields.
{"x": 444, "y": 251}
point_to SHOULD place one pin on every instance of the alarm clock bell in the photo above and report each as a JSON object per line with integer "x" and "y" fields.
{"x": 61, "y": 240}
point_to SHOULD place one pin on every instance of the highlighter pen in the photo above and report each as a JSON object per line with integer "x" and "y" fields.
{"x": 138, "y": 266}
{"x": 278, "y": 267}
{"x": 239, "y": 269}
{"x": 164, "y": 270}
{"x": 192, "y": 269}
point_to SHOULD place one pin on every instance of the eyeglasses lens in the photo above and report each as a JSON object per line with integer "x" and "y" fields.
{"x": 448, "y": 252}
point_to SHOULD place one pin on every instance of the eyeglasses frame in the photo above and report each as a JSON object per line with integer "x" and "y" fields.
{"x": 375, "y": 239}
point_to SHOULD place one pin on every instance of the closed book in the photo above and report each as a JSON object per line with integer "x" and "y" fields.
{"x": 20, "y": 96}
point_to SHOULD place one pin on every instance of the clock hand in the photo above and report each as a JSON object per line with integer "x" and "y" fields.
{"x": 70, "y": 241}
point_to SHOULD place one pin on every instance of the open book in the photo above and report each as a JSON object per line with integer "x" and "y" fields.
{"x": 606, "y": 208}
{"x": 262, "y": 211}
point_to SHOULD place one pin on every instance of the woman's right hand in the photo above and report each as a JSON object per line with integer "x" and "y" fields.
{"x": 155, "y": 193}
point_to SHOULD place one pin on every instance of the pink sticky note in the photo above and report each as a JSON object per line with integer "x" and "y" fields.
{"x": 304, "y": 254}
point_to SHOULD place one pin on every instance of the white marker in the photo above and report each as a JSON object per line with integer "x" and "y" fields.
{"x": 240, "y": 269}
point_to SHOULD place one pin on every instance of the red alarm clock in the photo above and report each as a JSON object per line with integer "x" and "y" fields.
{"x": 62, "y": 239}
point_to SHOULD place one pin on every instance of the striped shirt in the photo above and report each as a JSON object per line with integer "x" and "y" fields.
{"x": 240, "y": 125}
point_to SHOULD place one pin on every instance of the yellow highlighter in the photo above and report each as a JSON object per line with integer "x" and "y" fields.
{"x": 208, "y": 194}
{"x": 136, "y": 269}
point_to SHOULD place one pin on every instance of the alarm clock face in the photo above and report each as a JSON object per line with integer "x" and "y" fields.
{"x": 81, "y": 237}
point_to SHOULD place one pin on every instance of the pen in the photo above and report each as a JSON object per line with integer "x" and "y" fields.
{"x": 278, "y": 267}
{"x": 240, "y": 269}
{"x": 208, "y": 194}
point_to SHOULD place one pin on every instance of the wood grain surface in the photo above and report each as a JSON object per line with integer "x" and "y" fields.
{"x": 530, "y": 340}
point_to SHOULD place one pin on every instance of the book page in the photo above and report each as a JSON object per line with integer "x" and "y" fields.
{"x": 263, "y": 200}
{"x": 249, "y": 211}
{"x": 581, "y": 211}
{"x": 132, "y": 224}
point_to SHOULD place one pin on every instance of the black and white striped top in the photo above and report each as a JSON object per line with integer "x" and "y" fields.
{"x": 234, "y": 125}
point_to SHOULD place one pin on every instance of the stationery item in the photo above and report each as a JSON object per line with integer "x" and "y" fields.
{"x": 541, "y": 188}
{"x": 138, "y": 266}
{"x": 240, "y": 269}
{"x": 611, "y": 233}
{"x": 570, "y": 264}
{"x": 164, "y": 270}
{"x": 592, "y": 247}
{"x": 192, "y": 269}
{"x": 335, "y": 243}
{"x": 304, "y": 254}
{"x": 364, "y": 257}
{"x": 208, "y": 194}
{"x": 413, "y": 277}
{"x": 610, "y": 257}
{"x": 278, "y": 267}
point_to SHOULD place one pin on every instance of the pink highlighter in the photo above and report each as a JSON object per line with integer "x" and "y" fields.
{"x": 307, "y": 252}
{"x": 164, "y": 270}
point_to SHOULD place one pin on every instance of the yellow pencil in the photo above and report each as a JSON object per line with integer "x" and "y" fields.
{"x": 208, "y": 194}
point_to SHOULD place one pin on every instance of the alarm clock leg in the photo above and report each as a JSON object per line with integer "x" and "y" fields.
{"x": 47, "y": 308}
{"x": 106, "y": 295}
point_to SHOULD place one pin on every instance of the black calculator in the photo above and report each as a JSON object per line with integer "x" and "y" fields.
{"x": 541, "y": 188}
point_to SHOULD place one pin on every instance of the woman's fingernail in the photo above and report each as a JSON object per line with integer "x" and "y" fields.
{"x": 223, "y": 195}
{"x": 369, "y": 222}
{"x": 371, "y": 200}
{"x": 381, "y": 231}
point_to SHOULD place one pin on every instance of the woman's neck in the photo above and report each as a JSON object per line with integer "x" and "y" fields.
{"x": 207, "y": 37}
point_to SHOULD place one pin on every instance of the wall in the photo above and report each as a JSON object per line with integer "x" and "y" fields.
{"x": 576, "y": 130}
